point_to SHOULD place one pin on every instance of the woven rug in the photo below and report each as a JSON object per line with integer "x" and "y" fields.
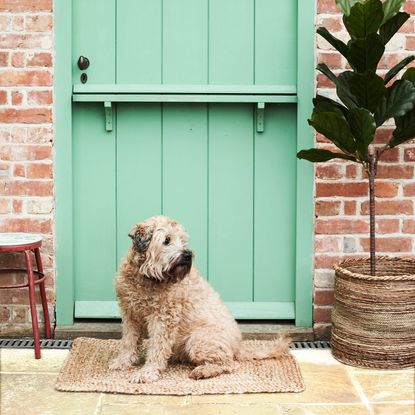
{"x": 86, "y": 370}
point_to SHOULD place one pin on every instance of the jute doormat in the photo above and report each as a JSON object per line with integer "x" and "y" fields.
{"x": 86, "y": 370}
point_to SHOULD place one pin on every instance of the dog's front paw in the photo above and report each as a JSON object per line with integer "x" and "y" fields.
{"x": 121, "y": 363}
{"x": 145, "y": 375}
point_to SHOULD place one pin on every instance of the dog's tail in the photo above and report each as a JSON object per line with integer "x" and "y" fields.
{"x": 256, "y": 350}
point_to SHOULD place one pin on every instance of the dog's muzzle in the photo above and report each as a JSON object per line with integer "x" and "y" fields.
{"x": 181, "y": 267}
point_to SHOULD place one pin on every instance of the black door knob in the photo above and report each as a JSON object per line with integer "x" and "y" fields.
{"x": 83, "y": 63}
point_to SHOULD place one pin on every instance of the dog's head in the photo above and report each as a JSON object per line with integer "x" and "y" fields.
{"x": 161, "y": 244}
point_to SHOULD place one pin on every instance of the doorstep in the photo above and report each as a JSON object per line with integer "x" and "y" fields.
{"x": 251, "y": 330}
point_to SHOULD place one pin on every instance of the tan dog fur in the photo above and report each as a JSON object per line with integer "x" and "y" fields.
{"x": 176, "y": 308}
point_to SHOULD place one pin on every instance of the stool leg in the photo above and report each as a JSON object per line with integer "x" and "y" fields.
{"x": 43, "y": 294}
{"x": 32, "y": 301}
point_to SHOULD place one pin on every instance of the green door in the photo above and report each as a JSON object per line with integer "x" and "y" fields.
{"x": 184, "y": 135}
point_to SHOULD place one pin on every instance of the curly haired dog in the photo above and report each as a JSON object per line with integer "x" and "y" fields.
{"x": 163, "y": 297}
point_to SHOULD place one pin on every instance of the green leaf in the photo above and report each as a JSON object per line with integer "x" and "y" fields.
{"x": 363, "y": 127}
{"x": 394, "y": 71}
{"x": 343, "y": 89}
{"x": 316, "y": 155}
{"x": 409, "y": 75}
{"x": 365, "y": 54}
{"x": 324, "y": 69}
{"x": 390, "y": 8}
{"x": 361, "y": 90}
{"x": 324, "y": 104}
{"x": 388, "y": 29}
{"x": 398, "y": 100}
{"x": 405, "y": 129}
{"x": 346, "y": 5}
{"x": 364, "y": 19}
{"x": 336, "y": 43}
{"x": 335, "y": 128}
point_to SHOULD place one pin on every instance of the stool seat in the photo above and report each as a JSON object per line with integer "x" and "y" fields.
{"x": 19, "y": 239}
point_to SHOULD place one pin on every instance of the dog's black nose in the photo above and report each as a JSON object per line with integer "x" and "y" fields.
{"x": 187, "y": 255}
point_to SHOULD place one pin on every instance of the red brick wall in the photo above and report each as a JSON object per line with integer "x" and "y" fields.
{"x": 341, "y": 201}
{"x": 26, "y": 143}
{"x": 26, "y": 160}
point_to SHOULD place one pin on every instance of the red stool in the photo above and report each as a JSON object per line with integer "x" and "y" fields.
{"x": 23, "y": 242}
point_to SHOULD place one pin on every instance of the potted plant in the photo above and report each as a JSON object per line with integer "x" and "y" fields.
{"x": 374, "y": 311}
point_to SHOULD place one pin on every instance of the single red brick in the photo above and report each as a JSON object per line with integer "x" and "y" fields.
{"x": 39, "y": 23}
{"x": 389, "y": 244}
{"x": 327, "y": 244}
{"x": 389, "y": 207}
{"x": 329, "y": 171}
{"x": 18, "y": 134}
{"x": 26, "y": 116}
{"x": 409, "y": 7}
{"x": 387, "y": 226}
{"x": 4, "y": 23}
{"x": 327, "y": 261}
{"x": 386, "y": 189}
{"x": 25, "y": 225}
{"x": 40, "y": 135}
{"x": 331, "y": 59}
{"x": 26, "y": 78}
{"x": 409, "y": 226}
{"x": 391, "y": 155}
{"x": 327, "y": 208}
{"x": 17, "y": 206}
{"x": 341, "y": 226}
{"x": 341, "y": 189}
{"x": 19, "y": 170}
{"x": 26, "y": 41}
{"x": 324, "y": 82}
{"x": 39, "y": 97}
{"x": 4, "y": 58}
{"x": 349, "y": 207}
{"x": 5, "y": 206}
{"x": 327, "y": 6}
{"x": 410, "y": 42}
{"x": 409, "y": 189}
{"x": 18, "y": 59}
{"x": 42, "y": 59}
{"x": 323, "y": 297}
{"x": 352, "y": 172}
{"x": 18, "y": 23}
{"x": 383, "y": 135}
{"x": 27, "y": 188}
{"x": 409, "y": 154}
{"x": 3, "y": 97}
{"x": 18, "y": 6}
{"x": 332, "y": 23}
{"x": 322, "y": 314}
{"x": 395, "y": 171}
{"x": 39, "y": 171}
{"x": 17, "y": 98}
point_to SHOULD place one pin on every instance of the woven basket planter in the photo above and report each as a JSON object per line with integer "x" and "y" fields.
{"x": 374, "y": 316}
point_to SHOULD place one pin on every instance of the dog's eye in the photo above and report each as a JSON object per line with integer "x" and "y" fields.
{"x": 167, "y": 240}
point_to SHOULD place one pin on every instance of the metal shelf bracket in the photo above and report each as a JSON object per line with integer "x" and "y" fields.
{"x": 108, "y": 115}
{"x": 260, "y": 118}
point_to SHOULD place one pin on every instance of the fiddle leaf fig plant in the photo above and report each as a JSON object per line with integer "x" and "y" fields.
{"x": 365, "y": 100}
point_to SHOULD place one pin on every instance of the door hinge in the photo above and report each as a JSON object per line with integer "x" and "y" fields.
{"x": 108, "y": 115}
{"x": 260, "y": 118}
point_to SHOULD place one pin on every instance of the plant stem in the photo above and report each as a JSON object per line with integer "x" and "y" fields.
{"x": 372, "y": 214}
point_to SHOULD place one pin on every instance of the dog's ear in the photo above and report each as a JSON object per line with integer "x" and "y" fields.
{"x": 141, "y": 235}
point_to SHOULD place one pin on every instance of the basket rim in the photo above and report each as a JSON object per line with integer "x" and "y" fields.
{"x": 342, "y": 268}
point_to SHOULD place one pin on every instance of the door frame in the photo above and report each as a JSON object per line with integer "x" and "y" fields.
{"x": 64, "y": 276}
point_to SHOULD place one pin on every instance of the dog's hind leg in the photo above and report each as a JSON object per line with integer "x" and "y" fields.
{"x": 212, "y": 354}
